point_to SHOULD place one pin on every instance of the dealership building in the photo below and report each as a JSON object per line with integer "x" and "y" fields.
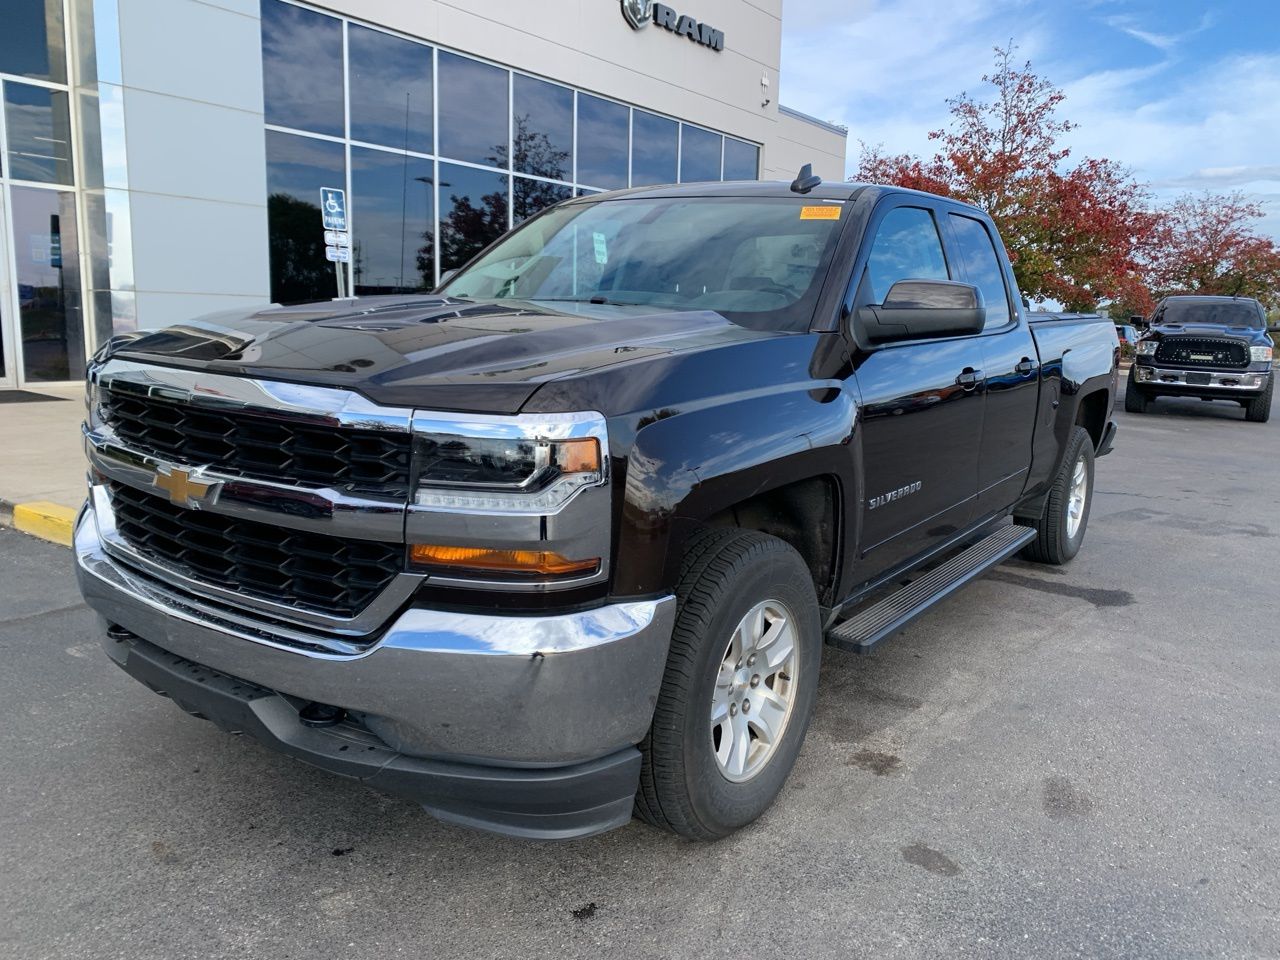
{"x": 164, "y": 159}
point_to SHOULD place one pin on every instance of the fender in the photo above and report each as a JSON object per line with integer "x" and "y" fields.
{"x": 748, "y": 444}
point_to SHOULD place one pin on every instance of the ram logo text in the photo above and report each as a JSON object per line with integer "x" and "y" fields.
{"x": 640, "y": 13}
{"x": 892, "y": 495}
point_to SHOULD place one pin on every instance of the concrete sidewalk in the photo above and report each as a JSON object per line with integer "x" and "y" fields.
{"x": 42, "y": 462}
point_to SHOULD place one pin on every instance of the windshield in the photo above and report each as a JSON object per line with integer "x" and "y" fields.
{"x": 1231, "y": 313}
{"x": 759, "y": 262}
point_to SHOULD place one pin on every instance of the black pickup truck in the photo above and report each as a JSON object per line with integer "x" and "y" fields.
{"x": 564, "y": 540}
{"x": 1214, "y": 348}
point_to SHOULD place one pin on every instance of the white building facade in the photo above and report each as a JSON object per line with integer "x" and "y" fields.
{"x": 162, "y": 159}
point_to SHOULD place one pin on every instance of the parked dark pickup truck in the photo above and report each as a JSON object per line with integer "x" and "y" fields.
{"x": 1214, "y": 348}
{"x": 565, "y": 540}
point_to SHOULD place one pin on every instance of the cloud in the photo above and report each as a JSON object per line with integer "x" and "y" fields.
{"x": 886, "y": 70}
{"x": 1190, "y": 116}
{"x": 1213, "y": 126}
{"x": 1164, "y": 42}
{"x": 1221, "y": 178}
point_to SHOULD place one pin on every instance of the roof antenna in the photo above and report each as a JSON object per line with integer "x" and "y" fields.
{"x": 806, "y": 181}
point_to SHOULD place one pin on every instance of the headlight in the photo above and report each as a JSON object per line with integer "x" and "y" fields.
{"x": 1260, "y": 354}
{"x": 1147, "y": 348}
{"x": 507, "y": 464}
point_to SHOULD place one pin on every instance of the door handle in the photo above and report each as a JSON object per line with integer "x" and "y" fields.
{"x": 969, "y": 378}
{"x": 1024, "y": 366}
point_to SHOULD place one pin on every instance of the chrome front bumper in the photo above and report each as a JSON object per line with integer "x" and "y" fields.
{"x": 515, "y": 691}
{"x": 1244, "y": 380}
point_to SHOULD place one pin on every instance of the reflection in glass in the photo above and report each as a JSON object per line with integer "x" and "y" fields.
{"x": 297, "y": 167}
{"x": 473, "y": 111}
{"x": 543, "y": 139}
{"x": 302, "y": 68}
{"x": 390, "y": 89}
{"x": 114, "y": 313}
{"x": 31, "y": 40}
{"x": 602, "y": 142}
{"x": 532, "y": 196}
{"x": 473, "y": 212}
{"x": 699, "y": 154}
{"x": 39, "y": 133}
{"x": 393, "y": 248}
{"x": 47, "y": 257}
{"x": 653, "y": 149}
{"x": 741, "y": 160}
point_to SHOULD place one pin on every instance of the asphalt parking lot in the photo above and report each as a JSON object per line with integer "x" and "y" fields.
{"x": 1075, "y": 762}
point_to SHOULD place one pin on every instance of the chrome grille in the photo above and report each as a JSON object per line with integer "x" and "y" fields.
{"x": 249, "y": 444}
{"x": 312, "y": 571}
{"x": 1202, "y": 352}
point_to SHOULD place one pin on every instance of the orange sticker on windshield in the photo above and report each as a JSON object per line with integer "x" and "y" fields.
{"x": 825, "y": 212}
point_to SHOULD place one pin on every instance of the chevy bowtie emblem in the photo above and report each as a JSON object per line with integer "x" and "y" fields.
{"x": 637, "y": 12}
{"x": 182, "y": 490}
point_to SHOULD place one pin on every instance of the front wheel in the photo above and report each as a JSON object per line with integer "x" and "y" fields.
{"x": 1060, "y": 529}
{"x": 739, "y": 688}
{"x": 1135, "y": 401}
{"x": 1258, "y": 410}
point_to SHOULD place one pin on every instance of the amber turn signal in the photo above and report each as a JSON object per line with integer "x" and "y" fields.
{"x": 578, "y": 456}
{"x": 541, "y": 562}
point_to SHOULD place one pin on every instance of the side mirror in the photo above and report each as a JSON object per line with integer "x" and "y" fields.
{"x": 1138, "y": 321}
{"x": 915, "y": 309}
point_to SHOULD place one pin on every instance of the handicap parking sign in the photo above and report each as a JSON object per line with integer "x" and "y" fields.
{"x": 333, "y": 208}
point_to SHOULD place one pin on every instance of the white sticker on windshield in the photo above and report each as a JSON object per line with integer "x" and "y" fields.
{"x": 602, "y": 251}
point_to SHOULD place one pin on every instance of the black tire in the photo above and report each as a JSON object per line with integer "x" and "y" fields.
{"x": 1258, "y": 410}
{"x": 724, "y": 574}
{"x": 1052, "y": 544}
{"x": 1135, "y": 401}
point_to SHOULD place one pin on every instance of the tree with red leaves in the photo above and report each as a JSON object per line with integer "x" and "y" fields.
{"x": 1206, "y": 244}
{"x": 1074, "y": 233}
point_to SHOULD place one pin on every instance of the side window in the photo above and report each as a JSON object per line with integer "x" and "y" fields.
{"x": 906, "y": 248}
{"x": 982, "y": 267}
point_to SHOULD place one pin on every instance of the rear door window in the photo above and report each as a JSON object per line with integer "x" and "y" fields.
{"x": 982, "y": 267}
{"x": 906, "y": 247}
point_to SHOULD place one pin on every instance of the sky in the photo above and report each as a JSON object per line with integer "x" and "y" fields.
{"x": 1186, "y": 95}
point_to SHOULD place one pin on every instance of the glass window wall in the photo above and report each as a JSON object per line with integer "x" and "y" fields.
{"x": 474, "y": 119}
{"x": 655, "y": 149}
{"x": 45, "y": 253}
{"x": 391, "y": 90}
{"x": 393, "y": 220}
{"x": 302, "y": 80}
{"x": 699, "y": 154}
{"x": 31, "y": 40}
{"x": 297, "y": 167}
{"x": 471, "y": 149}
{"x": 542, "y": 128}
{"x": 42, "y": 325}
{"x": 39, "y": 128}
{"x": 603, "y": 142}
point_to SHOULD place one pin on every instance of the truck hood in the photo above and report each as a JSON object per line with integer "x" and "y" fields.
{"x": 430, "y": 352}
{"x": 1253, "y": 335}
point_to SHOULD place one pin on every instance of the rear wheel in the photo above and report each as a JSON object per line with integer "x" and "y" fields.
{"x": 1060, "y": 529}
{"x": 1258, "y": 410}
{"x": 1135, "y": 401}
{"x": 739, "y": 687}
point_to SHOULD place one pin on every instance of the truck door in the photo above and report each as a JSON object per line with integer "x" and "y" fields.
{"x": 922, "y": 406}
{"x": 1011, "y": 364}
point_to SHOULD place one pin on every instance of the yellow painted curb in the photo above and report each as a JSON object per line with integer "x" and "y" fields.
{"x": 49, "y": 521}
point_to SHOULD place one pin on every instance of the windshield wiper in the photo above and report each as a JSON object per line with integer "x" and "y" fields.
{"x": 598, "y": 300}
